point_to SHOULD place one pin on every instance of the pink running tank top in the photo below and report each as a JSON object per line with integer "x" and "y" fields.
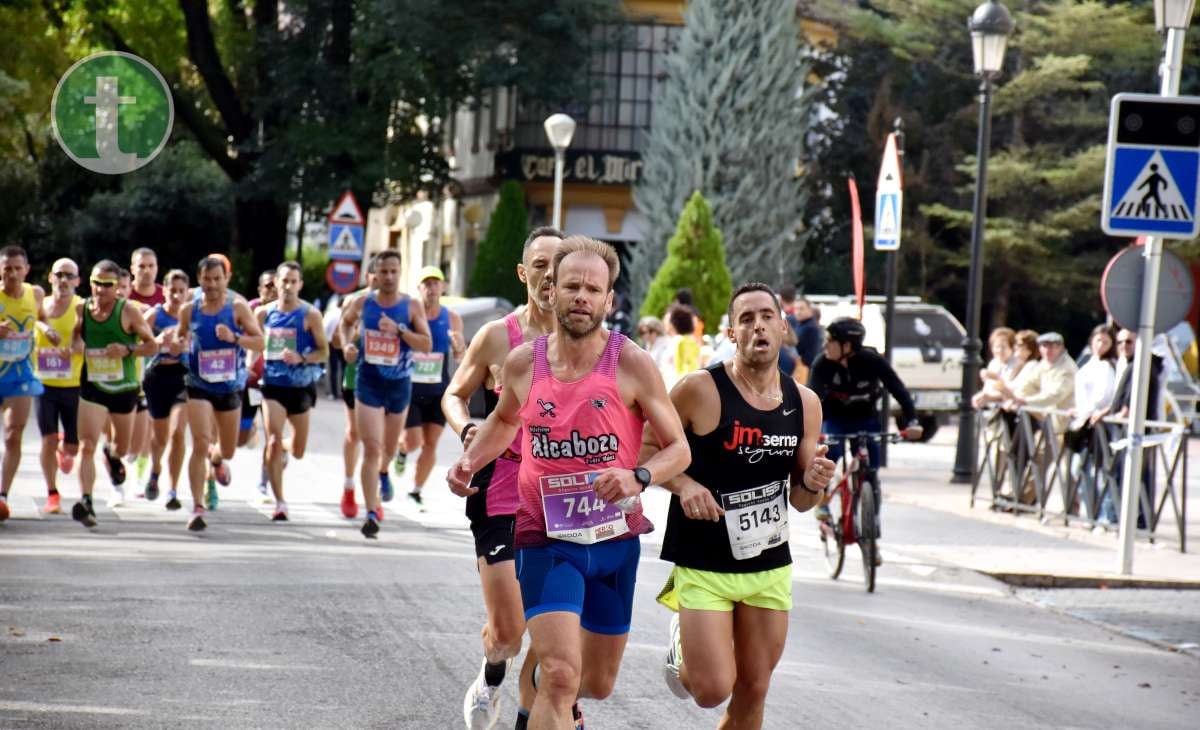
{"x": 502, "y": 490}
{"x": 574, "y": 431}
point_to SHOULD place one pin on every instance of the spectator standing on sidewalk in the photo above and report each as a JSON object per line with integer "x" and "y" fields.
{"x": 1002, "y": 368}
{"x": 1122, "y": 397}
{"x": 1095, "y": 384}
{"x": 1051, "y": 384}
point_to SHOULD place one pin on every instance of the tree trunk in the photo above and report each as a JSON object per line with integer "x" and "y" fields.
{"x": 261, "y": 228}
{"x": 1000, "y": 304}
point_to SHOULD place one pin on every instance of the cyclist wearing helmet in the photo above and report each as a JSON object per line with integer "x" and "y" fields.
{"x": 846, "y": 377}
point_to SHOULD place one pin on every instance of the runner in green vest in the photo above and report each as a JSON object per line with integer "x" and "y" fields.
{"x": 113, "y": 335}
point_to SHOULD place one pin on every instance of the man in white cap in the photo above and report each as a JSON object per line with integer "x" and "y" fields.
{"x": 1052, "y": 385}
{"x": 430, "y": 376}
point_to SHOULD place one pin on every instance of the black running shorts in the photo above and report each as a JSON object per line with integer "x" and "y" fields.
{"x": 59, "y": 406}
{"x": 494, "y": 538}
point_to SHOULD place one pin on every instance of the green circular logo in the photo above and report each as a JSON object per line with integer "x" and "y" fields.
{"x": 112, "y": 112}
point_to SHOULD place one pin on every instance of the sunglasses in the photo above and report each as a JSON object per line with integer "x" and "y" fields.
{"x": 1126, "y": 342}
{"x": 103, "y": 283}
{"x": 64, "y": 275}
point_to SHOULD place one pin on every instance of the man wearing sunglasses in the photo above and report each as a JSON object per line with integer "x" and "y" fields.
{"x": 113, "y": 335}
{"x": 58, "y": 366}
{"x": 20, "y": 311}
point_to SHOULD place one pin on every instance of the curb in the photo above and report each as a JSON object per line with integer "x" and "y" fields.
{"x": 1046, "y": 580}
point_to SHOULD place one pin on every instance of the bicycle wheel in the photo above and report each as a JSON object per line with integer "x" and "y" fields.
{"x": 832, "y": 540}
{"x": 866, "y": 534}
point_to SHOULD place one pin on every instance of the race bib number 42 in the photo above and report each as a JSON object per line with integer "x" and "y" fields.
{"x": 756, "y": 519}
{"x": 575, "y": 513}
{"x": 382, "y": 349}
{"x": 218, "y": 366}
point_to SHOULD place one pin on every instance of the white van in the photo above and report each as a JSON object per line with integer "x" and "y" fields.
{"x": 927, "y": 352}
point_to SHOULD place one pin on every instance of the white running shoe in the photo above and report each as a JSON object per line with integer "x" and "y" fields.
{"x": 674, "y": 661}
{"x": 117, "y": 498}
{"x": 481, "y": 705}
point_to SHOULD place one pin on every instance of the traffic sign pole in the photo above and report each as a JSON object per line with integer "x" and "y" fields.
{"x": 889, "y": 316}
{"x": 1131, "y": 479}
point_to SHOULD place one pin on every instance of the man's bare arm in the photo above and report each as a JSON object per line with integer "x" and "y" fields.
{"x": 812, "y": 471}
{"x": 472, "y": 373}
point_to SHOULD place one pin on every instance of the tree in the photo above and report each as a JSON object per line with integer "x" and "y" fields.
{"x": 695, "y": 259}
{"x": 502, "y": 248}
{"x": 1044, "y": 251}
{"x": 297, "y": 101}
{"x": 730, "y": 123}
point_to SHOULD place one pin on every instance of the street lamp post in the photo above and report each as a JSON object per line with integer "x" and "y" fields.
{"x": 559, "y": 130}
{"x": 990, "y": 26}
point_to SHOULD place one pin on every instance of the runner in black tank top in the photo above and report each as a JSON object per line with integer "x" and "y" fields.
{"x": 753, "y": 435}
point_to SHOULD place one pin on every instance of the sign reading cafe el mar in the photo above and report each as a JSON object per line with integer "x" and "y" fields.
{"x": 584, "y": 166}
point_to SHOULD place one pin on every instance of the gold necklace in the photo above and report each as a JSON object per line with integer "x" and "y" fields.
{"x": 764, "y": 396}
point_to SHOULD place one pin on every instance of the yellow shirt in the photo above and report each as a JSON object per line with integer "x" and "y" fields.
{"x": 21, "y": 315}
{"x": 50, "y": 366}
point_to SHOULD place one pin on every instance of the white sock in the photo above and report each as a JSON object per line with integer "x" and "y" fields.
{"x": 280, "y": 505}
{"x": 349, "y": 485}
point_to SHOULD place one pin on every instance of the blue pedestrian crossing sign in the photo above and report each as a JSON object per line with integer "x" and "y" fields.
{"x": 345, "y": 242}
{"x": 887, "y": 222}
{"x": 1153, "y": 168}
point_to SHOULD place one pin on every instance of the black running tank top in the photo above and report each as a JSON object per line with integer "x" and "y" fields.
{"x": 746, "y": 462}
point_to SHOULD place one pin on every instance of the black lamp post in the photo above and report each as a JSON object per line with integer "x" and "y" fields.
{"x": 990, "y": 26}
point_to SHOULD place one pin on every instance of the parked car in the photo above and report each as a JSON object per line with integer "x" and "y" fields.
{"x": 927, "y": 350}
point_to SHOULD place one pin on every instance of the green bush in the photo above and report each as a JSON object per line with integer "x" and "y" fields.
{"x": 493, "y": 273}
{"x": 696, "y": 260}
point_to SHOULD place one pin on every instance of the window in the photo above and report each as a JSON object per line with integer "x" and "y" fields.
{"x": 624, "y": 77}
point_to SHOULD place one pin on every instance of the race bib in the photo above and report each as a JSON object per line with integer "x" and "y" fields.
{"x": 278, "y": 340}
{"x": 218, "y": 366}
{"x": 382, "y": 349}
{"x": 16, "y": 347}
{"x": 575, "y": 513}
{"x": 101, "y": 368}
{"x": 427, "y": 367}
{"x": 756, "y": 519}
{"x": 52, "y": 365}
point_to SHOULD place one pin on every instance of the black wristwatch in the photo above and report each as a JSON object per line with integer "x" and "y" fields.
{"x": 642, "y": 475}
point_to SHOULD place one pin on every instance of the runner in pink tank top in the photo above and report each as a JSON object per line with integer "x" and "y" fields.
{"x": 574, "y": 432}
{"x": 492, "y": 508}
{"x": 580, "y": 397}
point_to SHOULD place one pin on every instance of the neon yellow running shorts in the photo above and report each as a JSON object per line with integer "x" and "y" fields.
{"x": 706, "y": 590}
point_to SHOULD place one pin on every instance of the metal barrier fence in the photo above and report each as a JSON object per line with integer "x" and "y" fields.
{"x": 1026, "y": 463}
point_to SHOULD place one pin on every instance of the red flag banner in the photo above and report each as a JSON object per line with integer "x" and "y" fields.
{"x": 860, "y": 291}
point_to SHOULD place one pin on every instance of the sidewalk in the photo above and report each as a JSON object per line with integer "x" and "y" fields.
{"x": 1019, "y": 549}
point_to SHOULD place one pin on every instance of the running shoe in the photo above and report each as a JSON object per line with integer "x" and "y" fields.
{"x": 349, "y": 506}
{"x": 152, "y": 487}
{"x": 116, "y": 470}
{"x": 117, "y": 498}
{"x": 172, "y": 501}
{"x": 400, "y": 462}
{"x": 4, "y": 513}
{"x": 481, "y": 704}
{"x": 210, "y": 495}
{"x": 385, "y": 487}
{"x": 221, "y": 473}
{"x": 197, "y": 523}
{"x": 281, "y": 514}
{"x": 84, "y": 514}
{"x": 577, "y": 714}
{"x": 674, "y": 661}
{"x": 53, "y": 504}
{"x": 378, "y": 512}
{"x": 370, "y": 528}
{"x": 415, "y": 497}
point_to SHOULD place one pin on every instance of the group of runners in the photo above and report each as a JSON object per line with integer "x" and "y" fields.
{"x": 137, "y": 364}
{"x": 579, "y": 424}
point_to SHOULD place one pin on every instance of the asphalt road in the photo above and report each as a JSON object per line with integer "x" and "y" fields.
{"x": 140, "y": 624}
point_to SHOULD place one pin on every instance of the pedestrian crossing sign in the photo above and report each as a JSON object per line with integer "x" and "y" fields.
{"x": 1153, "y": 168}
{"x": 887, "y": 222}
{"x": 345, "y": 242}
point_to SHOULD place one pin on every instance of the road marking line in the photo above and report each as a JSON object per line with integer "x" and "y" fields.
{"x": 236, "y": 664}
{"x": 80, "y": 709}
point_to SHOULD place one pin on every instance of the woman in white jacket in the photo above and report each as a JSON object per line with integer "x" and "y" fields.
{"x": 1095, "y": 384}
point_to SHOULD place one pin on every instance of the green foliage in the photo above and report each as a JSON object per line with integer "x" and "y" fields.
{"x": 1043, "y": 248}
{"x": 493, "y": 274}
{"x": 313, "y": 268}
{"x": 695, "y": 259}
{"x": 730, "y": 122}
